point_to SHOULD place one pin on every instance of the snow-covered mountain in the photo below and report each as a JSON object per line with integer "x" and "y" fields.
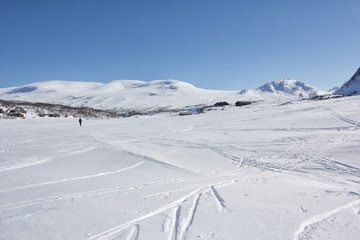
{"x": 140, "y": 95}
{"x": 288, "y": 86}
{"x": 352, "y": 86}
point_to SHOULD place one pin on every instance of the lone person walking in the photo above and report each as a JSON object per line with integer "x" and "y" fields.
{"x": 80, "y": 121}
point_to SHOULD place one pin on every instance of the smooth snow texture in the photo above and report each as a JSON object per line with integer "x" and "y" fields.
{"x": 263, "y": 171}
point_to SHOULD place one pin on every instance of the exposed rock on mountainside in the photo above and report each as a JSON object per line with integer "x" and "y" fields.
{"x": 352, "y": 86}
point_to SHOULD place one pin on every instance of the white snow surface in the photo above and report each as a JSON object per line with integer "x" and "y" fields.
{"x": 262, "y": 171}
{"x": 139, "y": 95}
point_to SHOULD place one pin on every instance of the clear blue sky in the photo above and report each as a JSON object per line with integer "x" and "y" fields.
{"x": 213, "y": 44}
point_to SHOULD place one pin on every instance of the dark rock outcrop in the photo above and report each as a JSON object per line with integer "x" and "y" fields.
{"x": 243, "y": 103}
{"x": 221, "y": 104}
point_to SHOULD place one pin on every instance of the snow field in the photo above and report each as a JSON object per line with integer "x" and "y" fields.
{"x": 264, "y": 171}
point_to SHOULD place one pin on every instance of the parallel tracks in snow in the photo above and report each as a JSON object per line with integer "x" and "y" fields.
{"x": 342, "y": 118}
{"x": 183, "y": 214}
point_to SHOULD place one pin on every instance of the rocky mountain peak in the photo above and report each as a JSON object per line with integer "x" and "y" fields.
{"x": 288, "y": 86}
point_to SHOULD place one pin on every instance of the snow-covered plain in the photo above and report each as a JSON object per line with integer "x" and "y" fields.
{"x": 263, "y": 171}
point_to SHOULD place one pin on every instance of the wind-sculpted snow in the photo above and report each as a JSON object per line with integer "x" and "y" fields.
{"x": 264, "y": 171}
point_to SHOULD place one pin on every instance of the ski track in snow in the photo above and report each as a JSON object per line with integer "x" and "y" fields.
{"x": 72, "y": 179}
{"x": 129, "y": 234}
{"x": 93, "y": 193}
{"x": 150, "y": 159}
{"x": 180, "y": 226}
{"x": 175, "y": 227}
{"x": 238, "y": 161}
{"x": 111, "y": 232}
{"x": 218, "y": 199}
{"x": 300, "y": 164}
{"x": 134, "y": 234}
{"x": 321, "y": 217}
{"x": 188, "y": 221}
{"x": 167, "y": 193}
{"x": 329, "y": 165}
{"x": 53, "y": 157}
{"x": 27, "y": 163}
{"x": 267, "y": 165}
{"x": 59, "y": 197}
{"x": 344, "y": 119}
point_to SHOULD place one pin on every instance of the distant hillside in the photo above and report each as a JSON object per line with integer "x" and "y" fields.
{"x": 120, "y": 96}
{"x": 129, "y": 95}
{"x": 351, "y": 87}
{"x": 46, "y": 109}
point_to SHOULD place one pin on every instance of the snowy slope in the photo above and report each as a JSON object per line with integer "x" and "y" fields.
{"x": 139, "y": 95}
{"x": 351, "y": 87}
{"x": 265, "y": 171}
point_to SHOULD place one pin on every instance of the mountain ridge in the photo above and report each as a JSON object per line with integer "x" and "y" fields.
{"x": 140, "y": 95}
{"x": 289, "y": 86}
{"x": 350, "y": 87}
